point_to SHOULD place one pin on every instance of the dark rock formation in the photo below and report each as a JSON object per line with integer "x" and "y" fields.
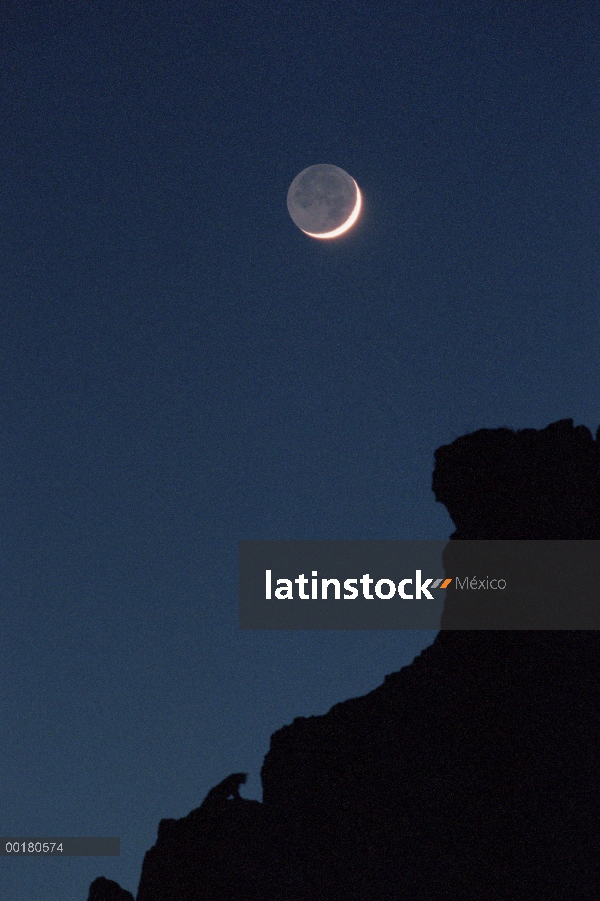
{"x": 197, "y": 848}
{"x": 193, "y": 857}
{"x": 471, "y": 774}
{"x": 500, "y": 484}
{"x": 103, "y": 889}
{"x": 228, "y": 789}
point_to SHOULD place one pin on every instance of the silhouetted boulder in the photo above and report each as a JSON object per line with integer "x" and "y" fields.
{"x": 501, "y": 484}
{"x": 103, "y": 889}
{"x": 195, "y": 851}
{"x": 471, "y": 774}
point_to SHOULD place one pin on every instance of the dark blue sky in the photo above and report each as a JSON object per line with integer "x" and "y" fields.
{"x": 180, "y": 367}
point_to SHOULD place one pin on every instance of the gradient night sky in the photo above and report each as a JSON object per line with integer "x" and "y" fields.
{"x": 180, "y": 367}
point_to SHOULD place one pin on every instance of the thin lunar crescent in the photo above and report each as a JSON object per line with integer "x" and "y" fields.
{"x": 324, "y": 201}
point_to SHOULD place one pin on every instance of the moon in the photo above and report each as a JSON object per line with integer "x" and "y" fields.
{"x": 324, "y": 201}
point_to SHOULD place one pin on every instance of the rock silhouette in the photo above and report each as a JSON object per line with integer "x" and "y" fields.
{"x": 500, "y": 484}
{"x": 228, "y": 789}
{"x": 103, "y": 889}
{"x": 470, "y": 774}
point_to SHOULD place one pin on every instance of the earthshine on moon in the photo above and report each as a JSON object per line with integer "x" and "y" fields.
{"x": 324, "y": 201}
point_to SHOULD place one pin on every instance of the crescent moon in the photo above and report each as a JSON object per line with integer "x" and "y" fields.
{"x": 345, "y": 225}
{"x": 324, "y": 201}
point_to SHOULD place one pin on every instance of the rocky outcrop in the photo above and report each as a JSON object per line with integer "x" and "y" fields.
{"x": 214, "y": 852}
{"x": 501, "y": 484}
{"x": 103, "y": 889}
{"x": 470, "y": 774}
{"x": 195, "y": 852}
